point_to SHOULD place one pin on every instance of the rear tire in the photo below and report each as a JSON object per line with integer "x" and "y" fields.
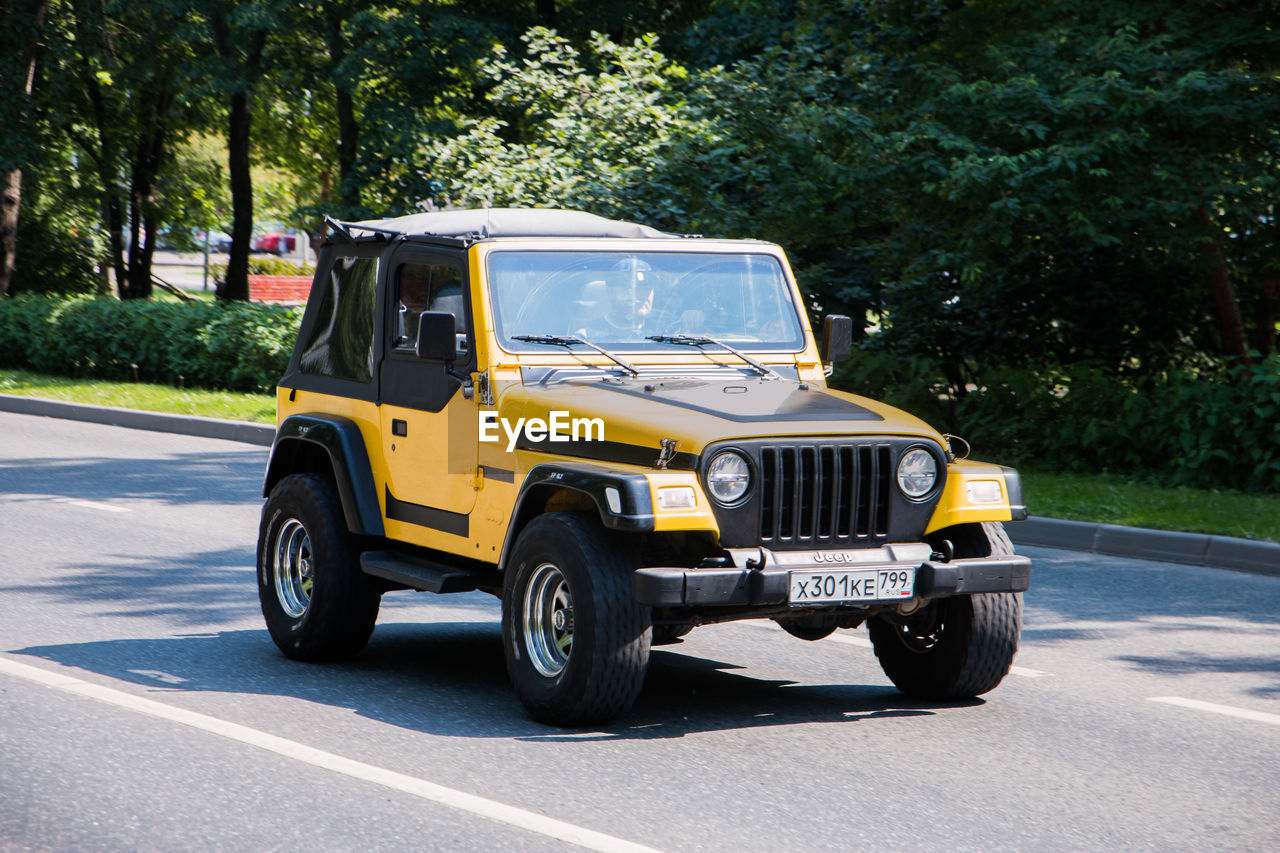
{"x": 958, "y": 647}
{"x": 317, "y": 603}
{"x": 576, "y": 642}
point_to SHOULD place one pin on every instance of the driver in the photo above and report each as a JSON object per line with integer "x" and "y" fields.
{"x": 621, "y": 302}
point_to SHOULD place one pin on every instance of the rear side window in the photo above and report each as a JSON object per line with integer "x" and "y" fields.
{"x": 426, "y": 287}
{"x": 341, "y": 341}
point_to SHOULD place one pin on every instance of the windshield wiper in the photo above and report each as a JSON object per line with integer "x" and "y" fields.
{"x": 569, "y": 341}
{"x": 702, "y": 340}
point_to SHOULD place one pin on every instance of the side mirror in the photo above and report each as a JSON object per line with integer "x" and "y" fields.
{"x": 837, "y": 338}
{"x": 436, "y": 336}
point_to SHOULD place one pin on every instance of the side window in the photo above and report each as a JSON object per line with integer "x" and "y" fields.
{"x": 341, "y": 342}
{"x": 426, "y": 287}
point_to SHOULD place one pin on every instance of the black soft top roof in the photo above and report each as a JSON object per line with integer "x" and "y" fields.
{"x": 507, "y": 222}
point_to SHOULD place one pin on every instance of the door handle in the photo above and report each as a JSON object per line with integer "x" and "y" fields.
{"x": 399, "y": 427}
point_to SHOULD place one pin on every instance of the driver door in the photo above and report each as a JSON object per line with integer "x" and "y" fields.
{"x": 429, "y": 426}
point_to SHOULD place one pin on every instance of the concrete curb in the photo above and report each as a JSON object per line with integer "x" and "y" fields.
{"x": 1195, "y": 549}
{"x": 243, "y": 431}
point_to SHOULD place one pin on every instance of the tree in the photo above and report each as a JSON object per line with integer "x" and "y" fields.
{"x": 572, "y": 137}
{"x": 757, "y": 150}
{"x": 111, "y": 87}
{"x": 238, "y": 35}
{"x": 25, "y": 27}
{"x": 1067, "y": 182}
{"x": 1009, "y": 184}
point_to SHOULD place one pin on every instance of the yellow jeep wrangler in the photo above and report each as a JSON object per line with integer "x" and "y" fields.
{"x": 623, "y": 434}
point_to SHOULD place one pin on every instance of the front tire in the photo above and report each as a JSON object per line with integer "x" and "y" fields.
{"x": 958, "y": 647}
{"x": 317, "y": 603}
{"x": 668, "y": 634}
{"x": 576, "y": 643}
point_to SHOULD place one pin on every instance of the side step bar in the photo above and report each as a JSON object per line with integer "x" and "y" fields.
{"x": 417, "y": 573}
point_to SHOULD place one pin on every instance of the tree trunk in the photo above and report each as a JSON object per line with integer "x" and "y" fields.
{"x": 10, "y": 202}
{"x": 105, "y": 159}
{"x": 11, "y": 187}
{"x": 115, "y": 240}
{"x": 348, "y": 127}
{"x": 147, "y": 163}
{"x": 241, "y": 123}
{"x": 243, "y": 52}
{"x": 1225, "y": 306}
{"x": 133, "y": 288}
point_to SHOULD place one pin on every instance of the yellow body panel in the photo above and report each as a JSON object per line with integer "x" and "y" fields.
{"x": 364, "y": 413}
{"x": 407, "y": 461}
{"x": 954, "y": 506}
{"x": 435, "y": 462}
{"x": 699, "y": 517}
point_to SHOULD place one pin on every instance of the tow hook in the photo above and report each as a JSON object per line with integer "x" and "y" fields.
{"x": 945, "y": 553}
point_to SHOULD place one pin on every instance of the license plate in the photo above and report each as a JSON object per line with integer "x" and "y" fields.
{"x": 860, "y": 585}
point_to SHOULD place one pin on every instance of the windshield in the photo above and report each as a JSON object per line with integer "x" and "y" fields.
{"x": 618, "y": 299}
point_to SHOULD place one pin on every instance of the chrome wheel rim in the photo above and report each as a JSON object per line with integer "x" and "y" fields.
{"x": 548, "y": 620}
{"x": 923, "y": 630}
{"x": 292, "y": 568}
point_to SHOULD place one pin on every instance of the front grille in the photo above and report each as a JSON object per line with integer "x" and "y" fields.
{"x": 824, "y": 495}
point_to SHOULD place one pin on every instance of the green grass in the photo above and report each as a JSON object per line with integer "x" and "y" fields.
{"x": 162, "y": 295}
{"x": 1116, "y": 500}
{"x": 1103, "y": 498}
{"x": 259, "y": 408}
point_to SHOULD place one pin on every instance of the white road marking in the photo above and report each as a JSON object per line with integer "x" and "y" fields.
{"x": 1213, "y": 707}
{"x": 863, "y": 642}
{"x": 165, "y": 677}
{"x": 486, "y": 808}
{"x": 98, "y": 505}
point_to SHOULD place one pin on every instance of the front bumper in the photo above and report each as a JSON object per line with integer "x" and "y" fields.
{"x": 767, "y": 582}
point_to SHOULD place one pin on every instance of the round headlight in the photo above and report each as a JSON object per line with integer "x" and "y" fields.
{"x": 728, "y": 477}
{"x": 917, "y": 473}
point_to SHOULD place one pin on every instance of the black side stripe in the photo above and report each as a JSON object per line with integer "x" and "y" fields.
{"x": 609, "y": 451}
{"x": 502, "y": 475}
{"x": 427, "y": 516}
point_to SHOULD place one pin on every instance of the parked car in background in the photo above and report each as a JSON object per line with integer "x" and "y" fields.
{"x": 219, "y": 241}
{"x": 171, "y": 238}
{"x": 275, "y": 243}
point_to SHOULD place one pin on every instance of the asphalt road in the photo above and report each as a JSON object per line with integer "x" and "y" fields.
{"x": 143, "y": 707}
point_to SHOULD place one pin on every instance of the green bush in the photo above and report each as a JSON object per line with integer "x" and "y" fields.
{"x": 51, "y": 259}
{"x": 265, "y": 266}
{"x": 1209, "y": 430}
{"x": 233, "y": 346}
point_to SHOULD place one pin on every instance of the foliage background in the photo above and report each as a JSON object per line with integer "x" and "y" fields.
{"x": 1054, "y": 224}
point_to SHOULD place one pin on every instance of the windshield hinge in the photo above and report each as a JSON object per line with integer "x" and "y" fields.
{"x": 667, "y": 453}
{"x": 485, "y": 395}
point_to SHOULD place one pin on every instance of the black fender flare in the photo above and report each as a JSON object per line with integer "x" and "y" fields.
{"x": 634, "y": 510}
{"x": 339, "y": 439}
